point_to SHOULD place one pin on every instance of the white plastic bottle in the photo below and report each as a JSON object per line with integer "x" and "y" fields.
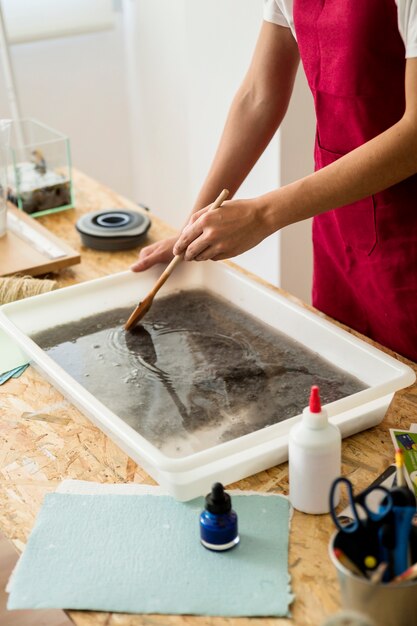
{"x": 314, "y": 458}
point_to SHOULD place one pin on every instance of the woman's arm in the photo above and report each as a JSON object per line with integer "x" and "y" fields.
{"x": 380, "y": 163}
{"x": 257, "y": 110}
{"x": 255, "y": 114}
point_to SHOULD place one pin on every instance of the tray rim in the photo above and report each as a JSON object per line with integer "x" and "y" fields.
{"x": 125, "y": 435}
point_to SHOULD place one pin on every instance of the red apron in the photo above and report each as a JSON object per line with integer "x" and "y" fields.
{"x": 365, "y": 253}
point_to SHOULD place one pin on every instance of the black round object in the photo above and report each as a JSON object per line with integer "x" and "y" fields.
{"x": 113, "y": 229}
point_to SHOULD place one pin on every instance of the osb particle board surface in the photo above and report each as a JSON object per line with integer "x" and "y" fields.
{"x": 44, "y": 439}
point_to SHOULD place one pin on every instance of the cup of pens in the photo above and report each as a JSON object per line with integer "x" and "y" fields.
{"x": 385, "y": 603}
{"x": 374, "y": 551}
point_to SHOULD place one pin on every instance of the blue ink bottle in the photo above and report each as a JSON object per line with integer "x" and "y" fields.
{"x": 218, "y": 521}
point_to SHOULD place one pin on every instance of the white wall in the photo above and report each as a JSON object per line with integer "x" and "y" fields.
{"x": 78, "y": 86}
{"x": 297, "y": 141}
{"x": 156, "y": 62}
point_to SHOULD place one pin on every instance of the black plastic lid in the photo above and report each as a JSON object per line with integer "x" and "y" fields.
{"x": 218, "y": 501}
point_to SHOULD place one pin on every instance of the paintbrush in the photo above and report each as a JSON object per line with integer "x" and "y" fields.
{"x": 144, "y": 306}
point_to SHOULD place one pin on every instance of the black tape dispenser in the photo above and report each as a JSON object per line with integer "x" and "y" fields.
{"x": 113, "y": 229}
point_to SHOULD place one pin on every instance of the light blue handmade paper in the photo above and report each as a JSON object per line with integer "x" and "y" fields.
{"x": 14, "y": 373}
{"x": 142, "y": 554}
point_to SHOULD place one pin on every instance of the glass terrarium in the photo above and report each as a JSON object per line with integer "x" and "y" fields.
{"x": 39, "y": 169}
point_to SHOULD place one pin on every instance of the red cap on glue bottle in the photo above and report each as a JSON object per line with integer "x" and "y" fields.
{"x": 314, "y": 416}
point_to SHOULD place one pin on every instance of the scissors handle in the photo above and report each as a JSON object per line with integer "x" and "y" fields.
{"x": 354, "y": 525}
{"x": 379, "y": 496}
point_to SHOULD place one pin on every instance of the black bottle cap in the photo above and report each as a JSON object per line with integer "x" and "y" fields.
{"x": 218, "y": 501}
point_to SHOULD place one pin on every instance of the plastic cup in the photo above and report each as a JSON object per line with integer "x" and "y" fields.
{"x": 386, "y": 604}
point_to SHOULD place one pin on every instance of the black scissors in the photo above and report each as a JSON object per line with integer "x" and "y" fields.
{"x": 362, "y": 538}
{"x": 387, "y": 479}
{"x": 362, "y": 514}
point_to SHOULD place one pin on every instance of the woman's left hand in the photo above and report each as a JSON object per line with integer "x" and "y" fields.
{"x": 222, "y": 233}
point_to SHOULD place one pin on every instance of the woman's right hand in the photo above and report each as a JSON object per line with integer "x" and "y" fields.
{"x": 159, "y": 252}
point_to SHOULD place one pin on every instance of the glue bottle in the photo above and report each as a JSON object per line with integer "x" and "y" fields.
{"x": 218, "y": 521}
{"x": 314, "y": 458}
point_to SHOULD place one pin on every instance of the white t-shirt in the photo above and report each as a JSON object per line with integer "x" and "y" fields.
{"x": 281, "y": 12}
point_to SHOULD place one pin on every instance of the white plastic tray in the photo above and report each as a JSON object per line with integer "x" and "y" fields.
{"x": 193, "y": 475}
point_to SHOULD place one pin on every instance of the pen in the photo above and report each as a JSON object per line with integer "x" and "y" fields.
{"x": 402, "y": 495}
{"x": 409, "y": 574}
{"x": 346, "y": 562}
{"x": 378, "y": 573}
{"x": 399, "y": 462}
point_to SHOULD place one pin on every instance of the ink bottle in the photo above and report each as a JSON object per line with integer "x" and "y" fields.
{"x": 218, "y": 521}
{"x": 314, "y": 458}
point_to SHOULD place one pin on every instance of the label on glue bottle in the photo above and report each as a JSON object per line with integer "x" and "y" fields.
{"x": 314, "y": 458}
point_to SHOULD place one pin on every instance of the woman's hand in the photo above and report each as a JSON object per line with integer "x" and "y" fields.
{"x": 233, "y": 228}
{"x": 159, "y": 252}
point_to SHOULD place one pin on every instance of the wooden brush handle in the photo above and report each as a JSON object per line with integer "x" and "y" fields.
{"x": 177, "y": 259}
{"x": 165, "y": 275}
{"x": 219, "y": 200}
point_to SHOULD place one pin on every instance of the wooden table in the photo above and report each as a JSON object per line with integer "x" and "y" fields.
{"x": 54, "y": 441}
